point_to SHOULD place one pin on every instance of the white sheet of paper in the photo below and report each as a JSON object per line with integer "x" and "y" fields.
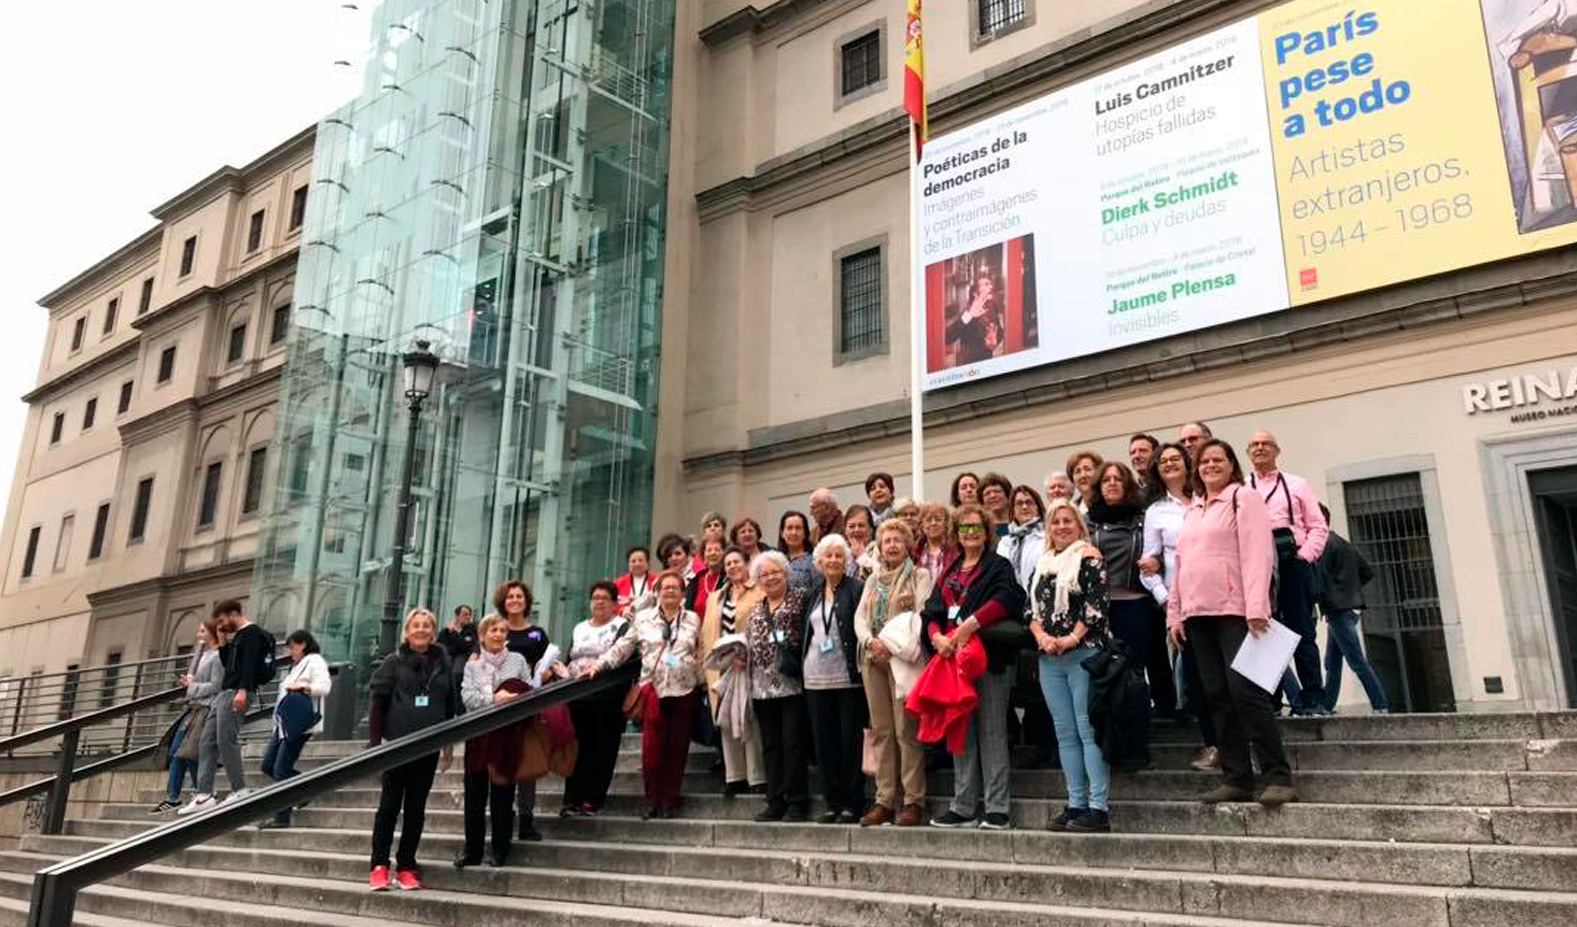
{"x": 1262, "y": 660}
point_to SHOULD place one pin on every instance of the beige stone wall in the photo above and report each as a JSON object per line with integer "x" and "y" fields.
{"x": 88, "y": 797}
{"x": 211, "y": 408}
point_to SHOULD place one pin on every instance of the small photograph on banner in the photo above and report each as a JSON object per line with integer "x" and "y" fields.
{"x": 982, "y": 305}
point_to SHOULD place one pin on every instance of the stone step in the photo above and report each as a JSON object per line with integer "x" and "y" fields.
{"x": 1401, "y": 823}
{"x": 1336, "y": 728}
{"x": 817, "y": 891}
{"x": 13, "y": 913}
{"x": 294, "y": 902}
{"x": 1385, "y": 787}
{"x": 1549, "y": 755}
{"x": 1484, "y": 866}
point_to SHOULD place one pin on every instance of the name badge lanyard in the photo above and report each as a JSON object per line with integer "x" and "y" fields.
{"x": 425, "y": 699}
{"x": 828, "y": 616}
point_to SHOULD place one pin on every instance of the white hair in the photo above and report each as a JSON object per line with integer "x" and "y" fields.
{"x": 825, "y": 495}
{"x": 771, "y": 556}
{"x": 828, "y": 543}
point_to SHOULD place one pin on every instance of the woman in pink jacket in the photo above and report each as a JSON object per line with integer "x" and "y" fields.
{"x": 1225, "y": 557}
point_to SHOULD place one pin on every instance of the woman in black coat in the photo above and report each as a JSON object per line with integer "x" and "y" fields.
{"x": 977, "y": 590}
{"x": 412, "y": 689}
{"x": 834, "y": 691}
{"x": 1116, "y": 524}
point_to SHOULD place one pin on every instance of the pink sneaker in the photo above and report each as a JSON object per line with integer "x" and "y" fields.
{"x": 379, "y": 880}
{"x": 408, "y": 880}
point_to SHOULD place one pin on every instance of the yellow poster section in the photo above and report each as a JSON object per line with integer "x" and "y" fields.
{"x": 1387, "y": 144}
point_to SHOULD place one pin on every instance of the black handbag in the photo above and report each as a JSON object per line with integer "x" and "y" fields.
{"x": 791, "y": 663}
{"x": 703, "y": 730}
{"x": 1007, "y": 636}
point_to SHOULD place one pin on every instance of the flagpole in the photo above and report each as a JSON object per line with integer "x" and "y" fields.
{"x": 916, "y": 328}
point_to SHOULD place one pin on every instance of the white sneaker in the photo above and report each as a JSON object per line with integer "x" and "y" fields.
{"x": 198, "y": 803}
{"x": 238, "y": 793}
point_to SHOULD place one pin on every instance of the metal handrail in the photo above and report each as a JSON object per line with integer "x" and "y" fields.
{"x": 25, "y": 700}
{"x": 80, "y": 773}
{"x": 55, "y": 888}
{"x": 75, "y": 725}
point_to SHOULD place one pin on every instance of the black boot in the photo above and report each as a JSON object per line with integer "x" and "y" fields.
{"x": 528, "y": 828}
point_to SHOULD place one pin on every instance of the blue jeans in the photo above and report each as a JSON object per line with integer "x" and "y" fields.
{"x": 1066, "y": 686}
{"x": 1343, "y": 640}
{"x": 179, "y": 768}
{"x": 279, "y": 762}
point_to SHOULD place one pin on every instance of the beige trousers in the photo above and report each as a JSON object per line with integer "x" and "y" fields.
{"x": 900, "y": 760}
{"x": 742, "y": 758}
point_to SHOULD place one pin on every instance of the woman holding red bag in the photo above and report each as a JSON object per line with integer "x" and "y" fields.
{"x": 670, "y": 674}
{"x": 487, "y": 678}
{"x": 976, "y": 590}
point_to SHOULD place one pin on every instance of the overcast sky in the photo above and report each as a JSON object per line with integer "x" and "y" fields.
{"x": 113, "y": 107}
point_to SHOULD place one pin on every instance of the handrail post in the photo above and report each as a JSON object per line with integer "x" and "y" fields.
{"x": 16, "y": 713}
{"x": 54, "y": 902}
{"x": 55, "y": 811}
{"x": 131, "y": 720}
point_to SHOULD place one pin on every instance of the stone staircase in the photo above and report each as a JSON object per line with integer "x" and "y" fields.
{"x": 1404, "y": 821}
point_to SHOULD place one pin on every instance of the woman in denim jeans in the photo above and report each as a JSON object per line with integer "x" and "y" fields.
{"x": 309, "y": 675}
{"x": 202, "y": 682}
{"x": 1069, "y": 597}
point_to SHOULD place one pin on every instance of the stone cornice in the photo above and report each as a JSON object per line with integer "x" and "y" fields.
{"x": 752, "y": 20}
{"x": 106, "y": 361}
{"x": 229, "y": 179}
{"x": 94, "y": 276}
{"x": 1032, "y": 73}
{"x": 157, "y": 585}
{"x": 1465, "y": 294}
{"x": 158, "y": 422}
{"x": 262, "y": 380}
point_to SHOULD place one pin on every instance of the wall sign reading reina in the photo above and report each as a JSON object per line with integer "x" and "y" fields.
{"x": 1308, "y": 152}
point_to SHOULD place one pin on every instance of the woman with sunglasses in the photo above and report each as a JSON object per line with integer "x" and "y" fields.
{"x": 975, "y": 591}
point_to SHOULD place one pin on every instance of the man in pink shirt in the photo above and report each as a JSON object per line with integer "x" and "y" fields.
{"x": 1300, "y": 531}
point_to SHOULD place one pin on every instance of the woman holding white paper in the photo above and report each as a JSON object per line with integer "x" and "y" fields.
{"x": 893, "y": 594}
{"x": 1220, "y": 596}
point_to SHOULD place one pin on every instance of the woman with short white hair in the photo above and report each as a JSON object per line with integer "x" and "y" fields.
{"x": 774, "y": 653}
{"x": 834, "y": 691}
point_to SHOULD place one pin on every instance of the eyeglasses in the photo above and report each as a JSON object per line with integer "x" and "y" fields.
{"x": 971, "y": 529}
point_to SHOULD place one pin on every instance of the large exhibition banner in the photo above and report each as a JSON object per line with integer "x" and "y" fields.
{"x": 1315, "y": 150}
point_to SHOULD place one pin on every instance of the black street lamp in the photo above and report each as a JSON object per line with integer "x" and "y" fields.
{"x": 421, "y": 365}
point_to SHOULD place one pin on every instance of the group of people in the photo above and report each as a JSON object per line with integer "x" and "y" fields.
{"x": 870, "y": 639}
{"x": 232, "y": 661}
{"x": 869, "y": 635}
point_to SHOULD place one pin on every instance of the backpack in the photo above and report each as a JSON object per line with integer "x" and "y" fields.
{"x": 267, "y": 662}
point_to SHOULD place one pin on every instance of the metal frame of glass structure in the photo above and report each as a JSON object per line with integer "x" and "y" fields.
{"x": 498, "y": 189}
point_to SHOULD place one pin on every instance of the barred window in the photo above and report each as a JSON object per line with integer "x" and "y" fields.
{"x": 862, "y": 62}
{"x": 996, "y": 15}
{"x": 860, "y": 313}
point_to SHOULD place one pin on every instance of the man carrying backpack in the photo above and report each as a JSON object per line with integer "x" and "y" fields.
{"x": 249, "y": 667}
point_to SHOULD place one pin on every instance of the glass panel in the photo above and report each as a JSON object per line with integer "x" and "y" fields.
{"x": 497, "y": 190}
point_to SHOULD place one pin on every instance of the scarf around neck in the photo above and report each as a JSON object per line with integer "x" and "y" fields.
{"x": 1064, "y": 569}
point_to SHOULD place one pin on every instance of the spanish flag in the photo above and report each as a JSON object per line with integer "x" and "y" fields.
{"x": 914, "y": 75}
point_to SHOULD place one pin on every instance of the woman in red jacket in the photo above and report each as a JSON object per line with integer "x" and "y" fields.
{"x": 1225, "y": 557}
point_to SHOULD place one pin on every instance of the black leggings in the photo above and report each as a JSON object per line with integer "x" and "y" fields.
{"x": 599, "y": 727}
{"x": 405, "y": 788}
